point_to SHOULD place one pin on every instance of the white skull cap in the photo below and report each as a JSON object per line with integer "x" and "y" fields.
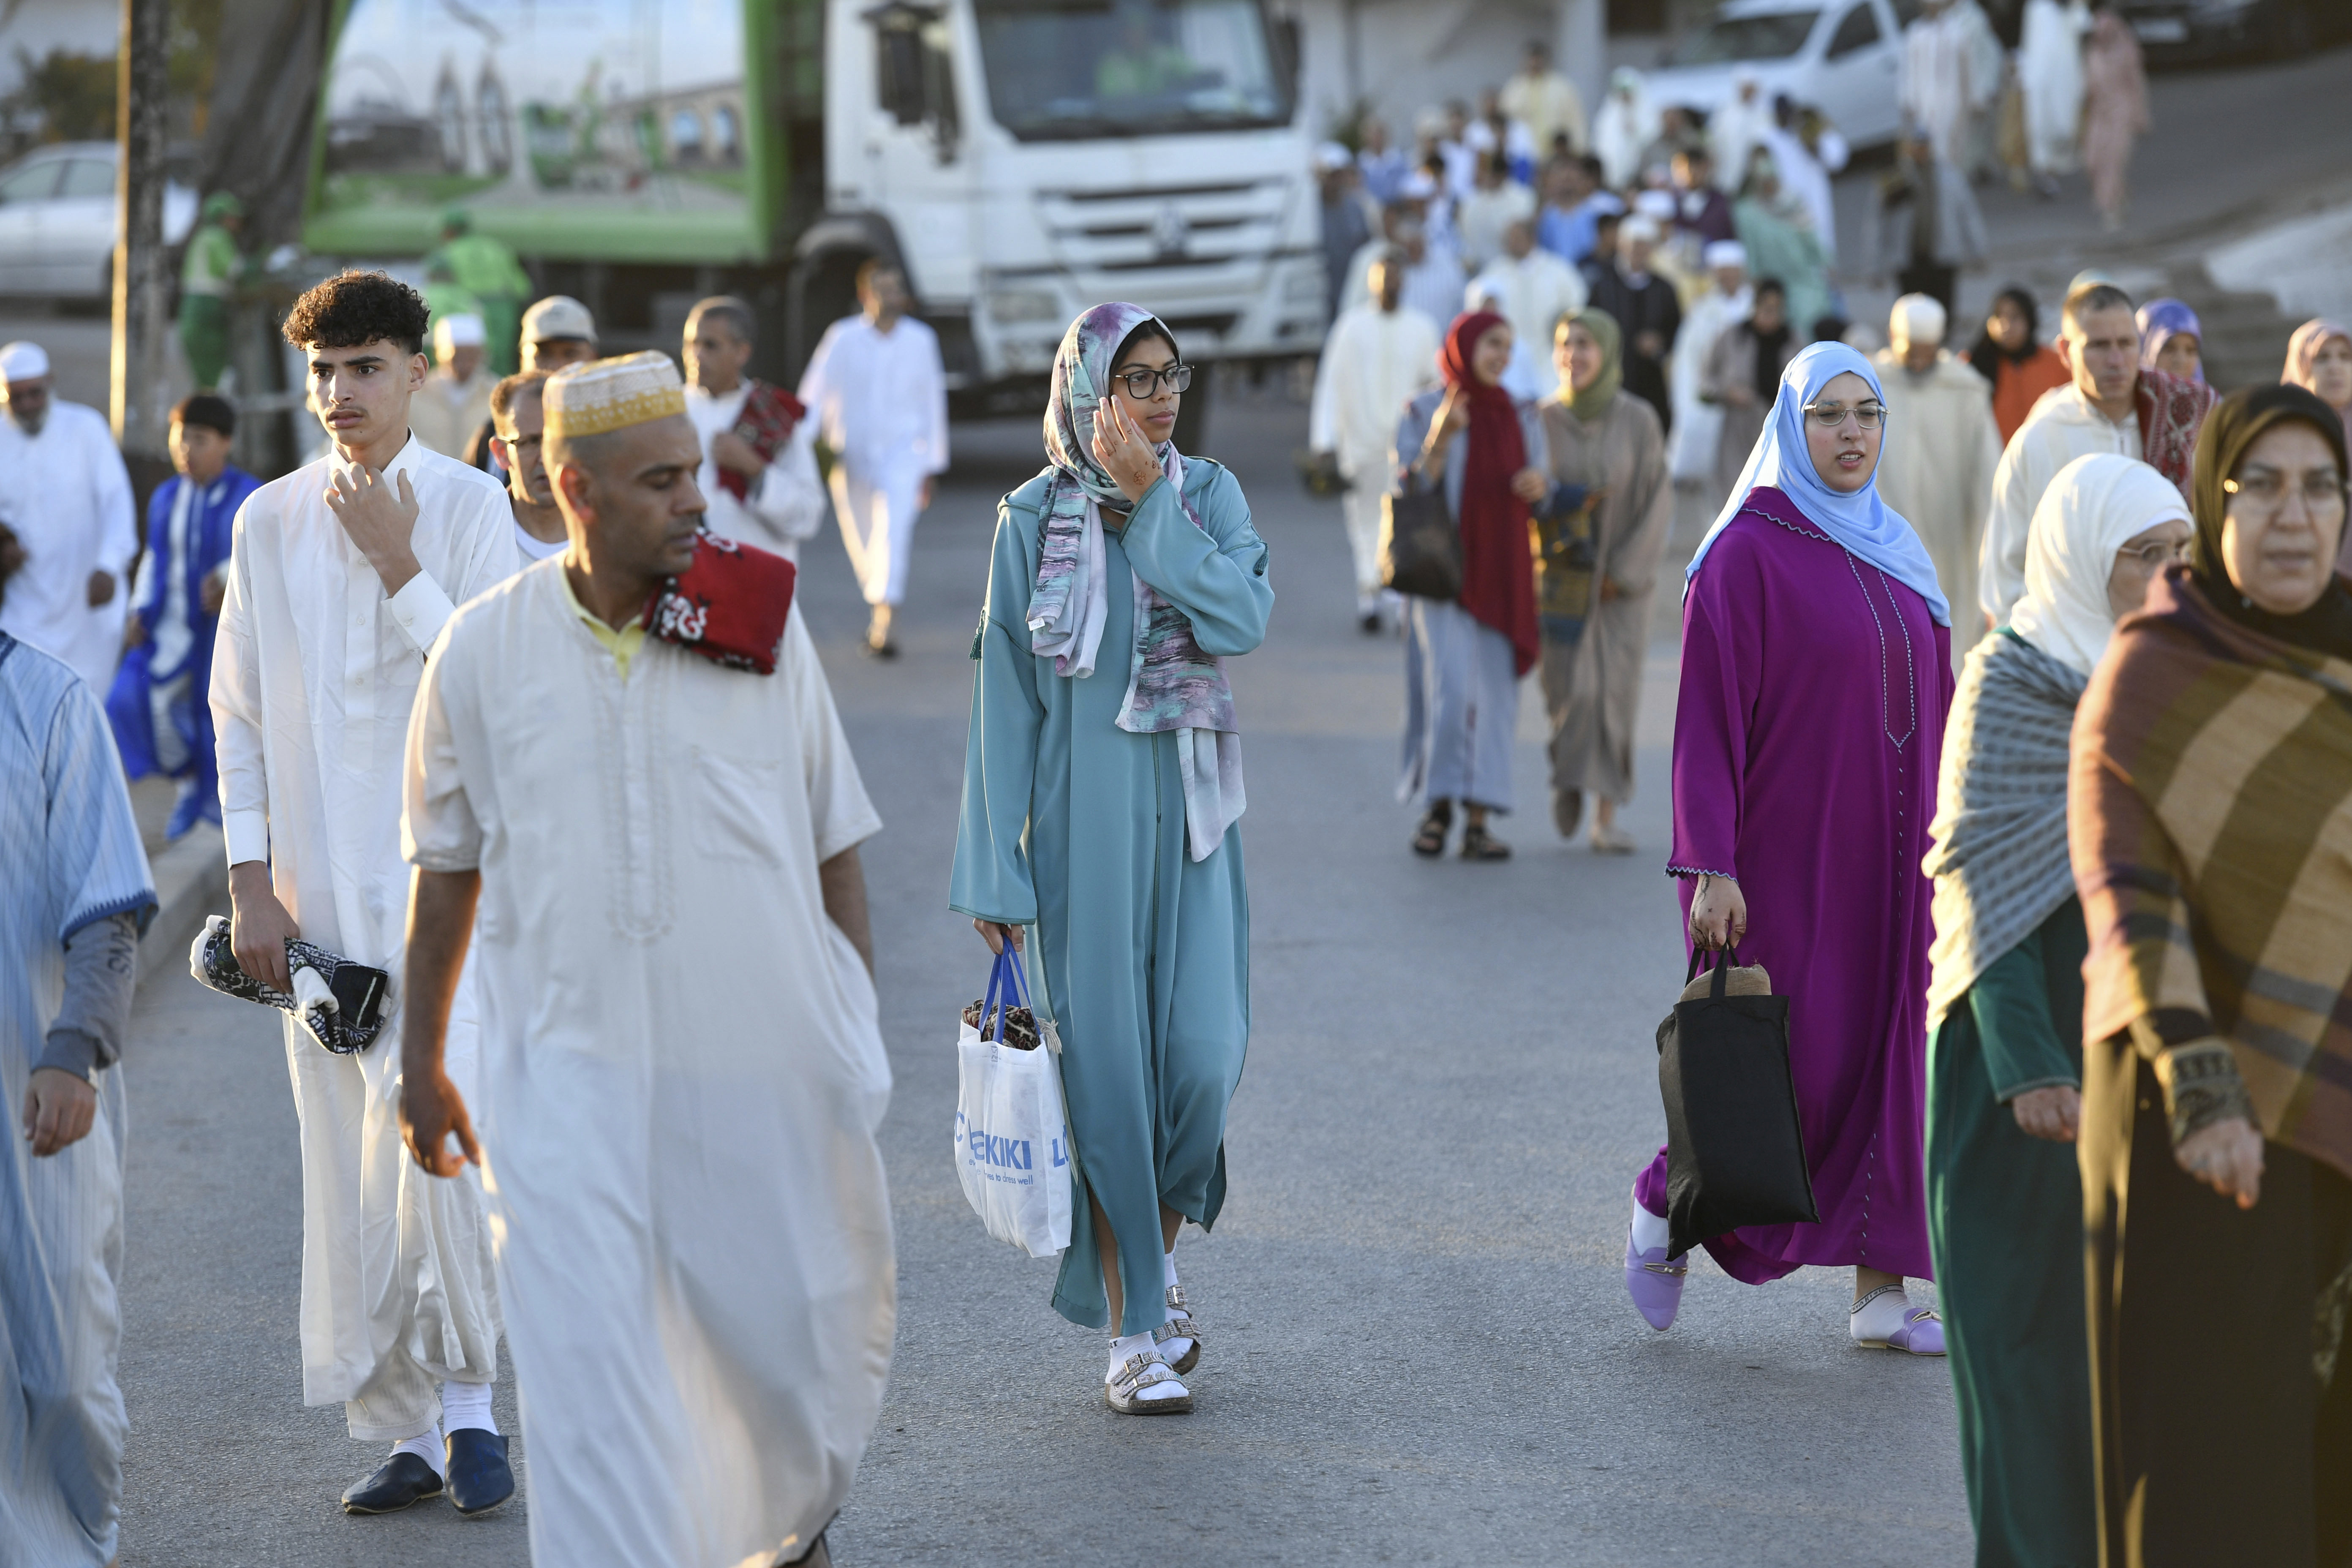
{"x": 22, "y": 361}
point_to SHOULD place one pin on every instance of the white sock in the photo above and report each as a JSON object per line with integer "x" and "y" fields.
{"x": 1880, "y": 1314}
{"x": 425, "y": 1446}
{"x": 1167, "y": 1266}
{"x": 1650, "y": 1231}
{"x": 1177, "y": 1349}
{"x": 1139, "y": 1344}
{"x": 467, "y": 1405}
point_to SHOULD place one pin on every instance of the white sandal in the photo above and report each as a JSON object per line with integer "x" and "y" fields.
{"x": 1145, "y": 1369}
{"x": 1179, "y": 1327}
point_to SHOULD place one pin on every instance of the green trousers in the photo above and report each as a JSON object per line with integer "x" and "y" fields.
{"x": 204, "y": 337}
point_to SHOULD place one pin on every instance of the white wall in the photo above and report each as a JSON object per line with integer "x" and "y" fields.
{"x": 1407, "y": 55}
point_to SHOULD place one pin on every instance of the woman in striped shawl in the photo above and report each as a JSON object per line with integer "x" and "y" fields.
{"x": 2210, "y": 816}
{"x": 2005, "y": 1010}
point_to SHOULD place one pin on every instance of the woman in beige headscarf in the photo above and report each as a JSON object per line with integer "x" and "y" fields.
{"x": 1611, "y": 505}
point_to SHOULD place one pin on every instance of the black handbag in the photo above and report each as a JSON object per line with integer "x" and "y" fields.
{"x": 1735, "y": 1151}
{"x": 1420, "y": 550}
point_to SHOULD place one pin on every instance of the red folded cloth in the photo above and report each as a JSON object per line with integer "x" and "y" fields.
{"x": 769, "y": 416}
{"x": 728, "y": 606}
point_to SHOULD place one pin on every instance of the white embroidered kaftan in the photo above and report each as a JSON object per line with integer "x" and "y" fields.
{"x": 682, "y": 1076}
{"x": 313, "y": 675}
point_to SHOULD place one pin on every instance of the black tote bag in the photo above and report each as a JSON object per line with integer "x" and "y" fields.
{"x": 1734, "y": 1152}
{"x": 1420, "y": 550}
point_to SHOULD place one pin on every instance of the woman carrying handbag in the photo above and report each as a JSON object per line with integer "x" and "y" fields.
{"x": 1484, "y": 451}
{"x": 1102, "y": 793}
{"x": 1816, "y": 669}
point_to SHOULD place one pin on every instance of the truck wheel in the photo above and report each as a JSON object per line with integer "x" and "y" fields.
{"x": 1193, "y": 413}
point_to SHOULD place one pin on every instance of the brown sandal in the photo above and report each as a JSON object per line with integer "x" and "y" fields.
{"x": 1478, "y": 844}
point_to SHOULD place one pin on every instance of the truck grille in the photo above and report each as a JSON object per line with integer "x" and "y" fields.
{"x": 1160, "y": 228}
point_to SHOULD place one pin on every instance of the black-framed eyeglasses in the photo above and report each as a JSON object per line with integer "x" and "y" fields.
{"x": 1143, "y": 383}
{"x": 1830, "y": 415}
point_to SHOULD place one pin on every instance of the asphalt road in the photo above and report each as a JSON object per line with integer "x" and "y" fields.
{"x": 1419, "y": 1349}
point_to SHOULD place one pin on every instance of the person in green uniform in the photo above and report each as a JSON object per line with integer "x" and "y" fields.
{"x": 209, "y": 276}
{"x": 447, "y": 298}
{"x": 1102, "y": 789}
{"x": 487, "y": 269}
{"x": 2005, "y": 1015}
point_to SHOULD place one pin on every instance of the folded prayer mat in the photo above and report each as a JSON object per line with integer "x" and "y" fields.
{"x": 728, "y": 606}
{"x": 769, "y": 417}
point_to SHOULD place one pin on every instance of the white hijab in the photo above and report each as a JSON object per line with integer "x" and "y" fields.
{"x": 2093, "y": 507}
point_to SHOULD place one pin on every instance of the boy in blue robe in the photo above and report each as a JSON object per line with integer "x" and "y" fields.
{"x": 162, "y": 722}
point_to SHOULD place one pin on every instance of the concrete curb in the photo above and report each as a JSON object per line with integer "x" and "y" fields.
{"x": 191, "y": 882}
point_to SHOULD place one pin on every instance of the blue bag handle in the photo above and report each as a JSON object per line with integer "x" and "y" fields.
{"x": 1008, "y": 987}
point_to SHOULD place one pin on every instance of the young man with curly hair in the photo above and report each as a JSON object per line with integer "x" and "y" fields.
{"x": 341, "y": 576}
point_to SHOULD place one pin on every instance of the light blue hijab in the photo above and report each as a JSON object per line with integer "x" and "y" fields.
{"x": 1866, "y": 526}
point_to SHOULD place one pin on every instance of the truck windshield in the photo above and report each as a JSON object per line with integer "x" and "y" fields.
{"x": 1775, "y": 35}
{"x": 1066, "y": 68}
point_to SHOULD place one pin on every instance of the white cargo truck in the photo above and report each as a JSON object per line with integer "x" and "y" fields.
{"x": 1021, "y": 159}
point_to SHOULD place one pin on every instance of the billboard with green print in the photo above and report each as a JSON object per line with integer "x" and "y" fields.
{"x": 604, "y": 129}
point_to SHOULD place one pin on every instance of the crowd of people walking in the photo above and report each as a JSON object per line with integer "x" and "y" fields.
{"x": 2011, "y": 748}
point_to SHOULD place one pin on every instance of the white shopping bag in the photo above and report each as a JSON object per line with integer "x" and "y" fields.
{"x": 1012, "y": 1135}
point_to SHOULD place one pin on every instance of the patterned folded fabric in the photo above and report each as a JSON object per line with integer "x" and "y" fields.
{"x": 313, "y": 969}
{"x": 769, "y": 417}
{"x": 728, "y": 606}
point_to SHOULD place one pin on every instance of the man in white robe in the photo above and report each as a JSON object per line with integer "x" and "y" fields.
{"x": 341, "y": 574}
{"x": 1535, "y": 289}
{"x": 456, "y": 398}
{"x": 1936, "y": 90}
{"x": 64, "y": 489}
{"x": 682, "y": 1070}
{"x": 1699, "y": 423}
{"x": 2099, "y": 410}
{"x": 1736, "y": 126}
{"x": 758, "y": 475}
{"x": 1381, "y": 355}
{"x": 880, "y": 397}
{"x": 74, "y": 892}
{"x": 2050, "y": 81}
{"x": 1936, "y": 470}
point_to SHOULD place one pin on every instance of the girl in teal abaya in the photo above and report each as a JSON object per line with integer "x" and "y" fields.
{"x": 1102, "y": 785}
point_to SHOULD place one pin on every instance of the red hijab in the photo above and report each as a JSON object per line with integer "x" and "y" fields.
{"x": 1499, "y": 575}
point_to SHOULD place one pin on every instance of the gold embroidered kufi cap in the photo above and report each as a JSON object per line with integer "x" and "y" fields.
{"x": 612, "y": 393}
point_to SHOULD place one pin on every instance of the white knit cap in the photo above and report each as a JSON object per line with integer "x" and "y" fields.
{"x": 1638, "y": 227}
{"x": 21, "y": 361}
{"x": 612, "y": 393}
{"x": 1725, "y": 253}
{"x": 1916, "y": 319}
{"x": 451, "y": 334}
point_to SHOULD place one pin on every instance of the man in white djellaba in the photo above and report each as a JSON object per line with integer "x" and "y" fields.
{"x": 1690, "y": 445}
{"x": 880, "y": 396}
{"x": 758, "y": 475}
{"x": 1938, "y": 476}
{"x": 65, "y": 491}
{"x": 1380, "y": 355}
{"x": 341, "y": 574}
{"x": 650, "y": 824}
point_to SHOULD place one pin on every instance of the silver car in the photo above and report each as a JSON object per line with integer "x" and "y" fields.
{"x": 58, "y": 221}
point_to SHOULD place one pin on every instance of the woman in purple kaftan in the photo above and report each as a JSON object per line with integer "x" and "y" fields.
{"x": 1815, "y": 675}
